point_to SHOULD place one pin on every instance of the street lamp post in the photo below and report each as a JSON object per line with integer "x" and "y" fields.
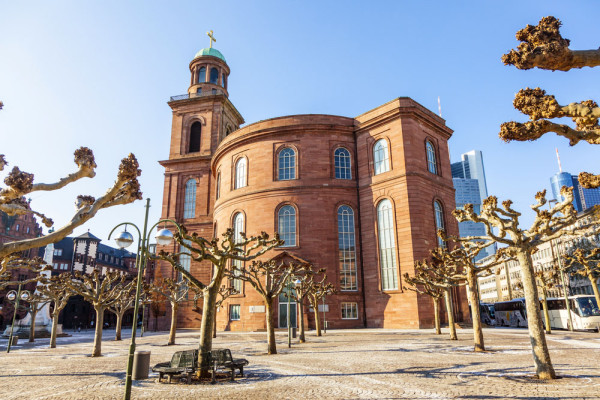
{"x": 324, "y": 320}
{"x": 289, "y": 299}
{"x": 299, "y": 295}
{"x": 125, "y": 239}
{"x": 15, "y": 296}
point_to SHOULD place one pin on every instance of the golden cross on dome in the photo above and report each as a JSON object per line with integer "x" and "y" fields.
{"x": 212, "y": 38}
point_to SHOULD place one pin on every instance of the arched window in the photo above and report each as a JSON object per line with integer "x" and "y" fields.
{"x": 238, "y": 228}
{"x": 240, "y": 173}
{"x": 287, "y": 164}
{"x": 341, "y": 158}
{"x": 387, "y": 245}
{"x": 195, "y": 137}
{"x": 202, "y": 75}
{"x": 431, "y": 163}
{"x": 286, "y": 225}
{"x": 224, "y": 80}
{"x": 189, "y": 203}
{"x": 185, "y": 258}
{"x": 346, "y": 248}
{"x": 214, "y": 76}
{"x": 381, "y": 156}
{"x": 218, "y": 184}
{"x": 439, "y": 221}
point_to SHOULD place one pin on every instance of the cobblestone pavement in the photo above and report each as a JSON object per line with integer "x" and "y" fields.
{"x": 344, "y": 364}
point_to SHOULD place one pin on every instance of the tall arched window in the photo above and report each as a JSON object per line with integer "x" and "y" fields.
{"x": 439, "y": 221}
{"x": 224, "y": 80}
{"x": 287, "y": 164}
{"x": 240, "y": 173}
{"x": 346, "y": 248}
{"x": 238, "y": 228}
{"x": 431, "y": 162}
{"x": 189, "y": 202}
{"x": 214, "y": 76}
{"x": 341, "y": 158}
{"x": 218, "y": 184}
{"x": 195, "y": 137}
{"x": 387, "y": 245}
{"x": 381, "y": 156}
{"x": 185, "y": 258}
{"x": 286, "y": 225}
{"x": 202, "y": 75}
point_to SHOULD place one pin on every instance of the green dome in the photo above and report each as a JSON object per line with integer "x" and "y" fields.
{"x": 209, "y": 51}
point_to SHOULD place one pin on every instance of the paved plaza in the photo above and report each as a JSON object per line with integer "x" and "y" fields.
{"x": 343, "y": 364}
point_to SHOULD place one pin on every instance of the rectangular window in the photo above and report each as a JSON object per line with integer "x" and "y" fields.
{"x": 234, "y": 312}
{"x": 55, "y": 265}
{"x": 349, "y": 311}
{"x": 58, "y": 252}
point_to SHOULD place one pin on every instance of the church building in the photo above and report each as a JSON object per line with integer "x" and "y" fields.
{"x": 359, "y": 196}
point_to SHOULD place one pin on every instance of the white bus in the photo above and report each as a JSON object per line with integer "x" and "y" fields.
{"x": 584, "y": 313}
{"x": 511, "y": 313}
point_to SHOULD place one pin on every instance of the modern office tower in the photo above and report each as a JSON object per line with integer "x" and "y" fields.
{"x": 468, "y": 177}
{"x": 583, "y": 198}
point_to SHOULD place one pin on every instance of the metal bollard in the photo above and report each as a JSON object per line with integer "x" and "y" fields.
{"x": 141, "y": 364}
{"x": 294, "y": 332}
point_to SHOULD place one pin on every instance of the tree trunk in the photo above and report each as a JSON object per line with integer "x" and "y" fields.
{"x": 436, "y": 316}
{"x": 174, "y": 308}
{"x": 97, "y": 352}
{"x": 215, "y": 326}
{"x": 539, "y": 348}
{"x": 475, "y": 313}
{"x": 546, "y": 314}
{"x": 450, "y": 313}
{"x": 302, "y": 338}
{"x": 119, "y": 323}
{"x": 54, "y": 329}
{"x": 32, "y": 325}
{"x": 206, "y": 326}
{"x": 315, "y": 305}
{"x": 271, "y": 343}
{"x": 594, "y": 288}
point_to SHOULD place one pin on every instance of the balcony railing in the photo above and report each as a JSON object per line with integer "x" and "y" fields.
{"x": 187, "y": 96}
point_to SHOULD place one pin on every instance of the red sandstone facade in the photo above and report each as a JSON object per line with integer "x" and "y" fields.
{"x": 230, "y": 174}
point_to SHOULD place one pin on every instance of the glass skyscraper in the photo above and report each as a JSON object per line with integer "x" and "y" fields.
{"x": 583, "y": 198}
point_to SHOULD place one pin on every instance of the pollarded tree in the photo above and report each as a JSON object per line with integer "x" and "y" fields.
{"x": 13, "y": 263}
{"x": 268, "y": 278}
{"x": 58, "y": 292}
{"x": 546, "y": 280}
{"x": 126, "y": 189}
{"x": 305, "y": 281}
{"x": 459, "y": 268}
{"x": 175, "y": 292}
{"x": 220, "y": 254}
{"x": 543, "y": 47}
{"x": 585, "y": 261}
{"x": 422, "y": 282}
{"x": 102, "y": 291}
{"x": 120, "y": 307}
{"x": 224, "y": 293}
{"x": 502, "y": 226}
{"x": 315, "y": 292}
{"x": 35, "y": 303}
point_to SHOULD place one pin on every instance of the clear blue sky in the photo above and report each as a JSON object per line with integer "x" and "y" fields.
{"x": 99, "y": 74}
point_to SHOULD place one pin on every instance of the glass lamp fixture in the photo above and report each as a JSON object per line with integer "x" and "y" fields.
{"x": 164, "y": 237}
{"x": 124, "y": 239}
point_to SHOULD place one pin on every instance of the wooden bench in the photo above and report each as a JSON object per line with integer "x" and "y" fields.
{"x": 221, "y": 359}
{"x": 183, "y": 363}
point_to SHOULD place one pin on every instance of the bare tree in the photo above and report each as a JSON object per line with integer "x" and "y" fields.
{"x": 268, "y": 279}
{"x": 224, "y": 293}
{"x": 102, "y": 291}
{"x": 175, "y": 292}
{"x": 459, "y": 268}
{"x": 315, "y": 292}
{"x": 219, "y": 254}
{"x": 126, "y": 189}
{"x": 34, "y": 304}
{"x": 543, "y": 47}
{"x": 522, "y": 243}
{"x": 546, "y": 280}
{"x": 120, "y": 307}
{"x": 58, "y": 292}
{"x": 305, "y": 281}
{"x": 422, "y": 282}
{"x": 13, "y": 263}
{"x": 585, "y": 261}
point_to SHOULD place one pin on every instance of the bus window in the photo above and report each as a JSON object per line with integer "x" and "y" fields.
{"x": 587, "y": 307}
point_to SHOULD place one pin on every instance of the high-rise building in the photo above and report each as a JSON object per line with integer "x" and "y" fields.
{"x": 583, "y": 198}
{"x": 468, "y": 177}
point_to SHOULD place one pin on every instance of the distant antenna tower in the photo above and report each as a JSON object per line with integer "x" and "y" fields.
{"x": 558, "y": 158}
{"x": 439, "y": 107}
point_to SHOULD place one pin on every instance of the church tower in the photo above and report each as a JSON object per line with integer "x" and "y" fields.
{"x": 201, "y": 119}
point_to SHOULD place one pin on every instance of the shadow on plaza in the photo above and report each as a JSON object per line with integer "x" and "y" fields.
{"x": 117, "y": 375}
